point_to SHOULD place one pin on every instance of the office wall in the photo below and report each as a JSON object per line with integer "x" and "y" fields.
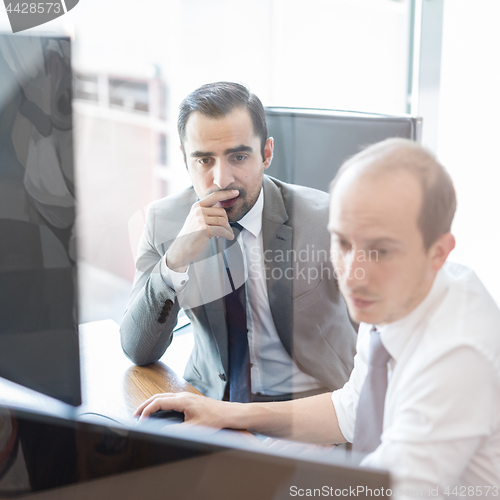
{"x": 469, "y": 130}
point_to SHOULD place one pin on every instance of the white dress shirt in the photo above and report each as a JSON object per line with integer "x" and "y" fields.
{"x": 273, "y": 371}
{"x": 441, "y": 433}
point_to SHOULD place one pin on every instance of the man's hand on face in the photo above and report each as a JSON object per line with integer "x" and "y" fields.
{"x": 198, "y": 410}
{"x": 205, "y": 220}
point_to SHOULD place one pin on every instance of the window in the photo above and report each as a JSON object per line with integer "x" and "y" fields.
{"x": 129, "y": 95}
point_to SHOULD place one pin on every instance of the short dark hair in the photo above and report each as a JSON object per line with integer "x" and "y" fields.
{"x": 217, "y": 100}
{"x": 439, "y": 200}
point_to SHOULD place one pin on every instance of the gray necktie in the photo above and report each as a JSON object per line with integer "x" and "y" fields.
{"x": 370, "y": 414}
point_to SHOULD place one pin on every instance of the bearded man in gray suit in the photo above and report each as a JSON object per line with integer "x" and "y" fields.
{"x": 288, "y": 334}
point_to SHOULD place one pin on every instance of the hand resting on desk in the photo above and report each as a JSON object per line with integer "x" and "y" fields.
{"x": 198, "y": 410}
{"x": 311, "y": 420}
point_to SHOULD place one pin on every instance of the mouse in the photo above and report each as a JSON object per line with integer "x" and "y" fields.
{"x": 173, "y": 416}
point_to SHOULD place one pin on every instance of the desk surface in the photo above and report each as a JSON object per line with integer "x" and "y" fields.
{"x": 111, "y": 384}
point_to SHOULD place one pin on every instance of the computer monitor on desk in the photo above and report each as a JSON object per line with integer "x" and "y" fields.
{"x": 38, "y": 299}
{"x": 188, "y": 464}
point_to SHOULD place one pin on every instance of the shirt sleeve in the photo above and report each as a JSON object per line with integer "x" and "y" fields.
{"x": 345, "y": 400}
{"x": 441, "y": 418}
{"x": 176, "y": 281}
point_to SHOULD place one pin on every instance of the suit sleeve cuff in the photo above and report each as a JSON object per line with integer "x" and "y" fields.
{"x": 176, "y": 281}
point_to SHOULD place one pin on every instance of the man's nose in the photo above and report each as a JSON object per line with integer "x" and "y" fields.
{"x": 223, "y": 175}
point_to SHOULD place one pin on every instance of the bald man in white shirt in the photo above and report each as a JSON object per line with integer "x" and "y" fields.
{"x": 391, "y": 211}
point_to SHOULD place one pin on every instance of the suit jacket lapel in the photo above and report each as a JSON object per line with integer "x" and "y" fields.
{"x": 277, "y": 243}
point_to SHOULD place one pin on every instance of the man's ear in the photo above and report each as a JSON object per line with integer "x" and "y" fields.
{"x": 440, "y": 250}
{"x": 268, "y": 152}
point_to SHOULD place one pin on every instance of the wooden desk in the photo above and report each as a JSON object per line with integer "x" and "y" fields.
{"x": 111, "y": 384}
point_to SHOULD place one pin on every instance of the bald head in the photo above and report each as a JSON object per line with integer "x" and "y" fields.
{"x": 401, "y": 157}
{"x": 390, "y": 215}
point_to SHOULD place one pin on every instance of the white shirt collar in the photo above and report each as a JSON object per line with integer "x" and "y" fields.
{"x": 252, "y": 221}
{"x": 395, "y": 335}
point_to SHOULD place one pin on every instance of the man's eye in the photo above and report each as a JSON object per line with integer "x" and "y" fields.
{"x": 238, "y": 158}
{"x": 343, "y": 245}
{"x": 381, "y": 252}
{"x": 204, "y": 161}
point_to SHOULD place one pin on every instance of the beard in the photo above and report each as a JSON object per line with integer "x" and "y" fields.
{"x": 243, "y": 205}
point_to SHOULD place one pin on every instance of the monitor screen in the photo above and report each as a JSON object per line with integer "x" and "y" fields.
{"x": 38, "y": 292}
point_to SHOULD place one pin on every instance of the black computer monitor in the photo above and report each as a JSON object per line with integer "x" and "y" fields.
{"x": 99, "y": 459}
{"x": 38, "y": 290}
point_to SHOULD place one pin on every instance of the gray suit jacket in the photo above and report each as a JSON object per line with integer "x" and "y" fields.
{"x": 309, "y": 313}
